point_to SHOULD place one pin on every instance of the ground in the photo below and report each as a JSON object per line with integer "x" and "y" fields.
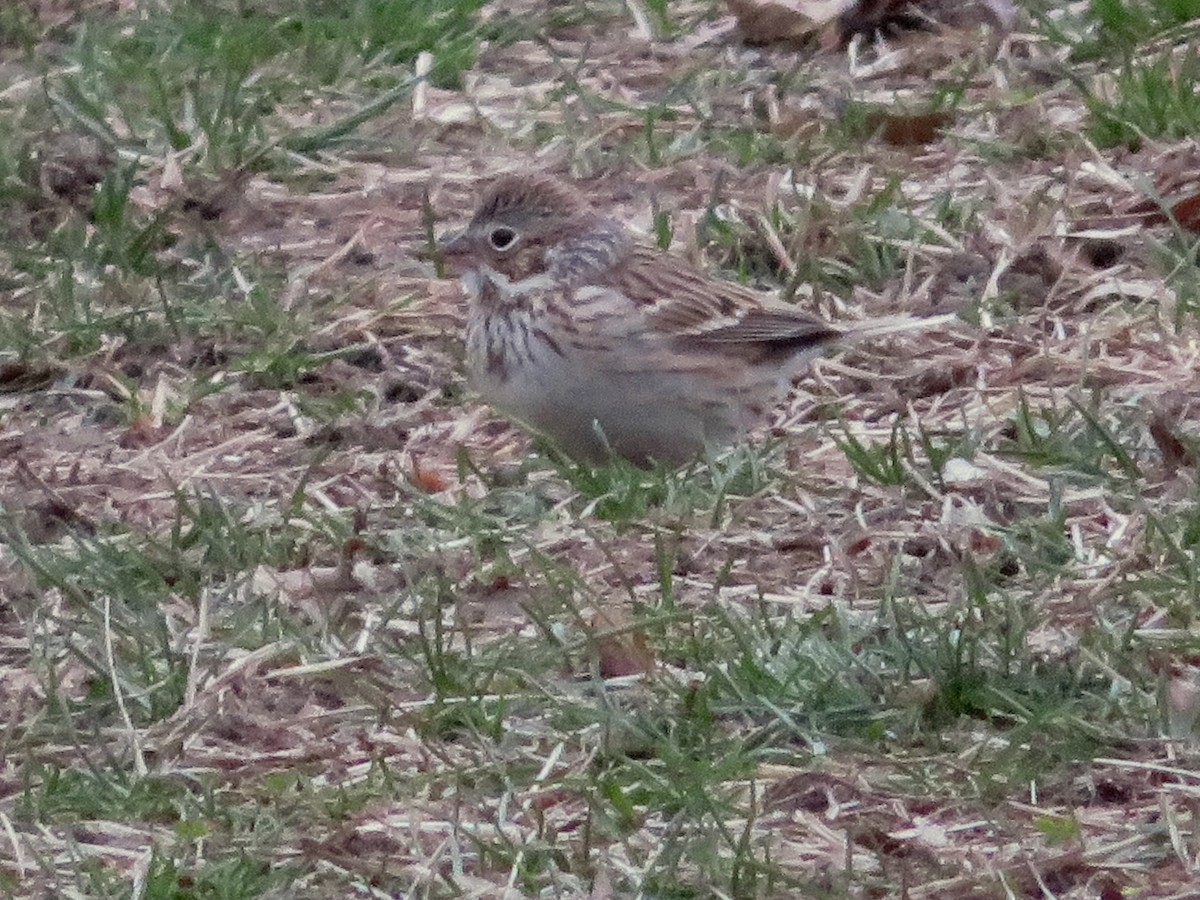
{"x": 285, "y": 611}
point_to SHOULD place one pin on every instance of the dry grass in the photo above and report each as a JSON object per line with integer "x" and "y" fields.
{"x": 284, "y": 609}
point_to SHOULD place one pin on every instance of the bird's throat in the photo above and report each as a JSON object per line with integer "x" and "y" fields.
{"x": 495, "y": 290}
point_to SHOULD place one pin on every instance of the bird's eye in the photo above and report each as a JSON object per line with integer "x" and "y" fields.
{"x": 502, "y": 237}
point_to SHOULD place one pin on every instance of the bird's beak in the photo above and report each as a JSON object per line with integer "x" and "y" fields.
{"x": 454, "y": 248}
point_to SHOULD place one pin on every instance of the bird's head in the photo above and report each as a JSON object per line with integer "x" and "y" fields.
{"x": 520, "y": 218}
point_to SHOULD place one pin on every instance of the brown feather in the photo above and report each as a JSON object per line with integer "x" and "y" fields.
{"x": 684, "y": 302}
{"x": 607, "y": 346}
{"x": 530, "y": 196}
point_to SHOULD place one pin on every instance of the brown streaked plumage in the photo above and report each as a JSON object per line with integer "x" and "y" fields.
{"x": 608, "y": 346}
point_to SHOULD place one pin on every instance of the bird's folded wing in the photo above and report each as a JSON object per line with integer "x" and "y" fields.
{"x": 680, "y": 301}
{"x": 767, "y": 326}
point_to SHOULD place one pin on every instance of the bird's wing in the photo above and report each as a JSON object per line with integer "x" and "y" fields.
{"x": 679, "y": 300}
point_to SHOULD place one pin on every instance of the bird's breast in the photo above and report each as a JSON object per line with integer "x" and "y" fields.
{"x": 511, "y": 343}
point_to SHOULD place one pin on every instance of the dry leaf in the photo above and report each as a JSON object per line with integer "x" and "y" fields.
{"x": 785, "y": 21}
{"x": 859, "y": 545}
{"x": 982, "y": 542}
{"x": 49, "y": 520}
{"x": 143, "y": 432}
{"x": 999, "y": 14}
{"x": 17, "y": 376}
{"x": 622, "y": 648}
{"x": 1166, "y": 413}
{"x": 1187, "y": 212}
{"x": 909, "y": 129}
{"x": 428, "y": 480}
{"x": 1175, "y": 194}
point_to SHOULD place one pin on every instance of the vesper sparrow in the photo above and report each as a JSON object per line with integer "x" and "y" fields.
{"x": 604, "y": 345}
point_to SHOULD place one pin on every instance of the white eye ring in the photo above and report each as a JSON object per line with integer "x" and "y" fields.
{"x": 502, "y": 238}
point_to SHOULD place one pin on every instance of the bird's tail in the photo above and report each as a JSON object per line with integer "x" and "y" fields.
{"x": 890, "y": 324}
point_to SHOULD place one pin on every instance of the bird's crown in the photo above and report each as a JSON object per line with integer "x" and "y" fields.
{"x": 531, "y": 195}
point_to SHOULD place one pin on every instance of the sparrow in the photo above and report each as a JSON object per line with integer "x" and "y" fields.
{"x": 609, "y": 347}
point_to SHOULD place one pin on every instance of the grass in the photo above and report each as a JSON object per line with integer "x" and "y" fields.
{"x": 190, "y": 94}
{"x": 1153, "y": 100}
{"x": 284, "y": 613}
{"x": 1102, "y": 29}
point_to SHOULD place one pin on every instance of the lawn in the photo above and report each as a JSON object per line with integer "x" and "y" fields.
{"x": 286, "y": 612}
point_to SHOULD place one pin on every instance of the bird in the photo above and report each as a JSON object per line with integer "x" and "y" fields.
{"x": 609, "y": 347}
